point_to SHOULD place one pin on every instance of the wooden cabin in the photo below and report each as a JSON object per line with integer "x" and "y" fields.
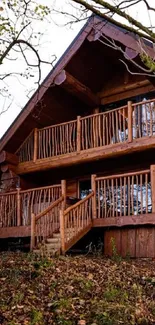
{"x": 81, "y": 154}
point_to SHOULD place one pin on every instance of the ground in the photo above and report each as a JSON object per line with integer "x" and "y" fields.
{"x": 80, "y": 290}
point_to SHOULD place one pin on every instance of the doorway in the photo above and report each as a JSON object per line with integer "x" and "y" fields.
{"x": 84, "y": 188}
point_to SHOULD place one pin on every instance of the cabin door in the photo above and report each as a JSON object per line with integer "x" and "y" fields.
{"x": 84, "y": 188}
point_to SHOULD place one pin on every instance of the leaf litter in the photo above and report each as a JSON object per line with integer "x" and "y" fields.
{"x": 79, "y": 290}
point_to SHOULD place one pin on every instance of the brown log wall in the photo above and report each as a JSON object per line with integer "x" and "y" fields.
{"x": 135, "y": 242}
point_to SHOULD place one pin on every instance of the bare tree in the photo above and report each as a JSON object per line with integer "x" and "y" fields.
{"x": 20, "y": 40}
{"x": 122, "y": 14}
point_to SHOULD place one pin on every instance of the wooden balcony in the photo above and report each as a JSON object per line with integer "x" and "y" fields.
{"x": 117, "y": 200}
{"x": 126, "y": 129}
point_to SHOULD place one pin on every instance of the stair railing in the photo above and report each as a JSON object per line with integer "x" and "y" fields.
{"x": 45, "y": 223}
{"x": 75, "y": 221}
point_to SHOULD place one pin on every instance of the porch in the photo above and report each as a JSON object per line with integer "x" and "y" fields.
{"x": 43, "y": 214}
{"x": 116, "y": 132}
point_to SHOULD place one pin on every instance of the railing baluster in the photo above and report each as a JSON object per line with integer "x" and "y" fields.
{"x": 130, "y": 136}
{"x": 62, "y": 231}
{"x": 18, "y": 208}
{"x": 93, "y": 187}
{"x": 78, "y": 133}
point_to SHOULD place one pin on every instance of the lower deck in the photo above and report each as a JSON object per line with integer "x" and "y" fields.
{"x": 127, "y": 241}
{"x": 55, "y": 218}
{"x": 105, "y": 223}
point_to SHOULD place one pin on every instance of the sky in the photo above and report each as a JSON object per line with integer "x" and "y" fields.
{"x": 56, "y": 38}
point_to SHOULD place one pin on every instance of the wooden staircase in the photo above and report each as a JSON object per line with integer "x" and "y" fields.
{"x": 51, "y": 247}
{"x": 56, "y": 230}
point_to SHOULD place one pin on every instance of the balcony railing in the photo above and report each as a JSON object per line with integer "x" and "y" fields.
{"x": 124, "y": 195}
{"x": 116, "y": 126}
{"x": 112, "y": 197}
{"x": 16, "y": 207}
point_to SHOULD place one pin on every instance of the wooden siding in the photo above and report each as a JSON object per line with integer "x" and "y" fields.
{"x": 72, "y": 188}
{"x": 135, "y": 242}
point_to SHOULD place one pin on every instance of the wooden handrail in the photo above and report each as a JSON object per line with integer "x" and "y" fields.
{"x": 54, "y": 125}
{"x": 78, "y": 218}
{"x": 8, "y": 193}
{"x": 124, "y": 175}
{"x": 35, "y": 218}
{"x": 144, "y": 102}
{"x": 102, "y": 113}
{"x": 78, "y": 203}
{"x": 40, "y": 188}
{"x": 51, "y": 206}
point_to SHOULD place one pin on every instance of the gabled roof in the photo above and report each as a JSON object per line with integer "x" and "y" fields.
{"x": 92, "y": 30}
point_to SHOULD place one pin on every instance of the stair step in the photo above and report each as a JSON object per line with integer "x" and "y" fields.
{"x": 53, "y": 240}
{"x": 56, "y": 235}
{"x": 36, "y": 251}
{"x": 52, "y": 245}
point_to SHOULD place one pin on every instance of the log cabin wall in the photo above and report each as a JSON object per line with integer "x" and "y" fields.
{"x": 72, "y": 188}
{"x": 128, "y": 163}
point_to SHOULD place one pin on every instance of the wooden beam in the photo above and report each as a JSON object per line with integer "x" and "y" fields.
{"x": 75, "y": 87}
{"x": 145, "y": 219}
{"x": 125, "y": 91}
{"x": 6, "y": 167}
{"x": 152, "y": 80}
{"x": 8, "y": 157}
{"x": 22, "y": 231}
{"x": 84, "y": 156}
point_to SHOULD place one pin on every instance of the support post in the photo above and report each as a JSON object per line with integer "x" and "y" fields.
{"x": 63, "y": 190}
{"x": 18, "y": 208}
{"x": 62, "y": 231}
{"x": 93, "y": 187}
{"x": 35, "y": 144}
{"x": 130, "y": 135}
{"x": 78, "y": 133}
{"x": 153, "y": 187}
{"x": 33, "y": 226}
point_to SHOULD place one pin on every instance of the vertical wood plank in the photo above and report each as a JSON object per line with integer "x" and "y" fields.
{"x": 62, "y": 231}
{"x": 131, "y": 250}
{"x": 150, "y": 242}
{"x": 35, "y": 144}
{"x": 124, "y": 242}
{"x": 93, "y": 186}
{"x": 153, "y": 187}
{"x": 130, "y": 136}
{"x": 18, "y": 208}
{"x": 33, "y": 224}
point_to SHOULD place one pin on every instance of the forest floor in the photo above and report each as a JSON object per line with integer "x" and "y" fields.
{"x": 84, "y": 290}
